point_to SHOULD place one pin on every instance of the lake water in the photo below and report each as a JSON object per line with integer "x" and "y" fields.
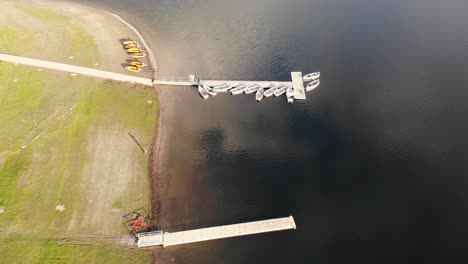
{"x": 372, "y": 165}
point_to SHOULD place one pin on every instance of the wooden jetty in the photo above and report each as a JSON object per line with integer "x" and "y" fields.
{"x": 203, "y": 234}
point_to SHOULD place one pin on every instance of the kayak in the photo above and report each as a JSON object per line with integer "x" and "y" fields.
{"x": 133, "y": 50}
{"x": 133, "y": 68}
{"x": 138, "y": 64}
{"x": 138, "y": 55}
{"x": 129, "y": 42}
{"x": 131, "y": 46}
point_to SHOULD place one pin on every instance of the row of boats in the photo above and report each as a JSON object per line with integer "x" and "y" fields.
{"x": 206, "y": 91}
{"x": 134, "y": 50}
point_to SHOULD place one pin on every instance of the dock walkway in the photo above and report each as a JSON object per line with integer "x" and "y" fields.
{"x": 203, "y": 234}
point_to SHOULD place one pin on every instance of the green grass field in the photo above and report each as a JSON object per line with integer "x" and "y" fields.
{"x": 33, "y": 250}
{"x": 50, "y": 124}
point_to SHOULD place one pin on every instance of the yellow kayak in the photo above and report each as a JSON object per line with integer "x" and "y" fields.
{"x": 131, "y": 46}
{"x": 129, "y": 42}
{"x": 138, "y": 55}
{"x": 133, "y": 50}
{"x": 132, "y": 68}
{"x": 138, "y": 64}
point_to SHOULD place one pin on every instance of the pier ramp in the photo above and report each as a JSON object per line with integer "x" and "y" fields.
{"x": 203, "y": 234}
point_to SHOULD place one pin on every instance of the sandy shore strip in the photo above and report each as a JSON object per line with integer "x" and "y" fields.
{"x": 107, "y": 29}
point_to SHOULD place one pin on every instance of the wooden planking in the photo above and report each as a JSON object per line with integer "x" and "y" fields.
{"x": 218, "y": 232}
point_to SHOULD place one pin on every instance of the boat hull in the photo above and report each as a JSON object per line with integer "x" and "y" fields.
{"x": 259, "y": 94}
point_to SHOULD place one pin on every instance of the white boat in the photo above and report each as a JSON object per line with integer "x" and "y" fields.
{"x": 238, "y": 89}
{"x": 270, "y": 91}
{"x": 222, "y": 88}
{"x": 251, "y": 88}
{"x": 259, "y": 94}
{"x": 312, "y": 85}
{"x": 311, "y": 76}
{"x": 203, "y": 93}
{"x": 280, "y": 90}
{"x": 209, "y": 90}
{"x": 290, "y": 94}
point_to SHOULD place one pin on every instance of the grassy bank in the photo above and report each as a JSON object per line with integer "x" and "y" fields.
{"x": 64, "y": 140}
{"x": 34, "y": 250}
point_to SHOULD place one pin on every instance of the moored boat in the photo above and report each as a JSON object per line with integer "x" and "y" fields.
{"x": 311, "y": 76}
{"x": 222, "y": 88}
{"x": 132, "y": 68}
{"x": 290, "y": 94}
{"x": 138, "y": 55}
{"x": 281, "y": 89}
{"x": 203, "y": 93}
{"x": 270, "y": 91}
{"x": 251, "y": 88}
{"x": 259, "y": 94}
{"x": 238, "y": 89}
{"x": 312, "y": 85}
{"x": 209, "y": 90}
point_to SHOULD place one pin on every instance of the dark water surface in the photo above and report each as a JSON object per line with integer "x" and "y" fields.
{"x": 373, "y": 165}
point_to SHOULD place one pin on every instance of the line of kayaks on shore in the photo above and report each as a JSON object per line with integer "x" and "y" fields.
{"x": 134, "y": 50}
{"x": 206, "y": 91}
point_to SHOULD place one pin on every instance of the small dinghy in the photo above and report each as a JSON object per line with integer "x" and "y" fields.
{"x": 311, "y": 76}
{"x": 312, "y": 85}
{"x": 138, "y": 55}
{"x": 290, "y": 94}
{"x": 133, "y": 50}
{"x": 251, "y": 88}
{"x": 209, "y": 90}
{"x": 259, "y": 94}
{"x": 203, "y": 93}
{"x": 128, "y": 42}
{"x": 222, "y": 88}
{"x": 280, "y": 90}
{"x": 238, "y": 89}
{"x": 270, "y": 91}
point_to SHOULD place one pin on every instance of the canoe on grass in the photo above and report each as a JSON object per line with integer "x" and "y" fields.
{"x": 138, "y": 55}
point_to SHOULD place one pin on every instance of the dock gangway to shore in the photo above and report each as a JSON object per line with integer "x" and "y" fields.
{"x": 167, "y": 239}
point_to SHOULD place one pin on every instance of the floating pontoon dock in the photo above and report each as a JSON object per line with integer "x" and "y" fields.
{"x": 296, "y": 77}
{"x": 218, "y": 232}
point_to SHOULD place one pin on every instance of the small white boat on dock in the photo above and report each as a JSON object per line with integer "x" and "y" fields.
{"x": 281, "y": 89}
{"x": 209, "y": 90}
{"x": 259, "y": 94}
{"x": 270, "y": 91}
{"x": 238, "y": 89}
{"x": 312, "y": 85}
{"x": 311, "y": 76}
{"x": 251, "y": 88}
{"x": 290, "y": 94}
{"x": 203, "y": 93}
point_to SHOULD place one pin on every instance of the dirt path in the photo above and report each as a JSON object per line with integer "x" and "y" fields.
{"x": 75, "y": 69}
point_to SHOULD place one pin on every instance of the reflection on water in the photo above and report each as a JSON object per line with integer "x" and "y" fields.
{"x": 371, "y": 166}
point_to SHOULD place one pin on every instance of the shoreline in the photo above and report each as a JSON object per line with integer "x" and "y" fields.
{"x": 157, "y": 133}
